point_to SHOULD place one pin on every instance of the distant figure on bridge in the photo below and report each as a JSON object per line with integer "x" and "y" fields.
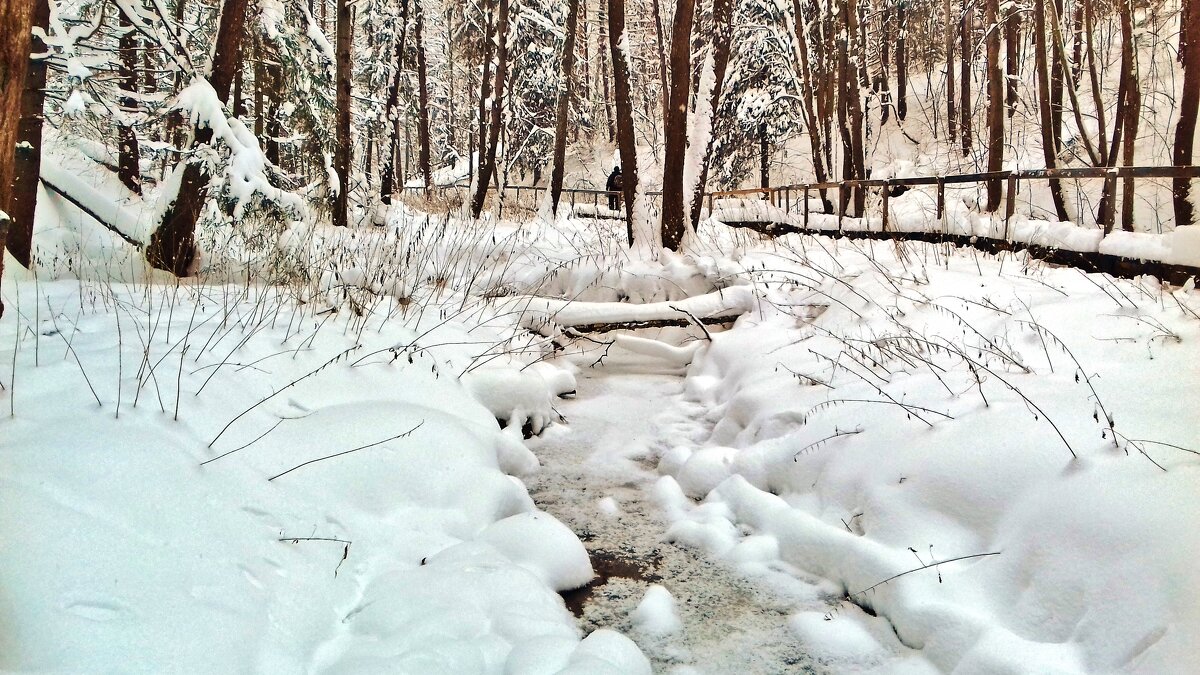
{"x": 615, "y": 184}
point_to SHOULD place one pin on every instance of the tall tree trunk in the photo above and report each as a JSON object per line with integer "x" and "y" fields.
{"x": 764, "y": 158}
{"x": 487, "y": 164}
{"x": 423, "y": 158}
{"x": 609, "y": 93}
{"x": 812, "y": 120}
{"x": 485, "y": 91}
{"x": 995, "y": 84}
{"x": 851, "y": 78}
{"x": 128, "y": 155}
{"x": 964, "y": 106}
{"x": 902, "y": 60}
{"x": 951, "y": 116}
{"x": 721, "y": 45}
{"x": 1132, "y": 111}
{"x": 1012, "y": 56}
{"x": 663, "y": 77}
{"x": 1189, "y": 104}
{"x": 172, "y": 247}
{"x": 342, "y": 153}
{"x": 673, "y": 219}
{"x": 565, "y": 89}
{"x": 1045, "y": 101}
{"x": 387, "y": 182}
{"x": 626, "y": 142}
{"x": 16, "y": 16}
{"x": 28, "y": 159}
{"x": 1058, "y": 76}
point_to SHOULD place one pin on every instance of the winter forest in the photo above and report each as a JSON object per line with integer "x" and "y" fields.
{"x": 599, "y": 336}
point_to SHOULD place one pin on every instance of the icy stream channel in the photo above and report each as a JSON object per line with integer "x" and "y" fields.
{"x": 598, "y": 478}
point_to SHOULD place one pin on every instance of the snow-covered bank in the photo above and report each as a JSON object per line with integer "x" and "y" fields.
{"x": 942, "y": 406}
{"x": 357, "y": 517}
{"x": 915, "y": 211}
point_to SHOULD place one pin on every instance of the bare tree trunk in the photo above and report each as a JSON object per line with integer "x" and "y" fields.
{"x": 951, "y": 117}
{"x": 487, "y": 165}
{"x": 387, "y": 182}
{"x": 1185, "y": 129}
{"x": 423, "y": 155}
{"x": 172, "y": 247}
{"x": 964, "y": 107}
{"x": 564, "y": 106}
{"x": 764, "y": 158}
{"x": 662, "y": 62}
{"x": 995, "y": 84}
{"x": 1132, "y": 111}
{"x": 1012, "y": 57}
{"x": 852, "y": 59}
{"x": 485, "y": 90}
{"x": 28, "y": 158}
{"x": 128, "y": 156}
{"x": 342, "y": 153}
{"x": 626, "y": 142}
{"x": 722, "y": 43}
{"x": 1045, "y": 101}
{"x": 675, "y": 156}
{"x": 606, "y": 72}
{"x": 812, "y": 120}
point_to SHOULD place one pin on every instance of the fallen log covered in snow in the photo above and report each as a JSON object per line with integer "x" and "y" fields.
{"x": 717, "y": 307}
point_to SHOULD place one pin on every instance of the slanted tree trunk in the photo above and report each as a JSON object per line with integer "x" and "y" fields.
{"x": 128, "y": 155}
{"x": 487, "y": 153}
{"x": 1189, "y": 104}
{"x": 172, "y": 247}
{"x": 722, "y": 46}
{"x": 675, "y": 152}
{"x": 565, "y": 88}
{"x": 1045, "y": 101}
{"x": 995, "y": 84}
{"x": 387, "y": 182}
{"x": 16, "y": 16}
{"x": 342, "y": 154}
{"x": 28, "y": 160}
{"x": 423, "y": 158}
{"x": 485, "y": 90}
{"x": 626, "y": 142}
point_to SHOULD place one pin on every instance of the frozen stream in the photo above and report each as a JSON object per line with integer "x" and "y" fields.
{"x": 618, "y": 423}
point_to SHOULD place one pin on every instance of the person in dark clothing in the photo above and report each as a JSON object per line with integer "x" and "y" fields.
{"x": 615, "y": 183}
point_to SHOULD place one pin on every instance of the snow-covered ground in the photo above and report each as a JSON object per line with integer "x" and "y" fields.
{"x": 292, "y": 463}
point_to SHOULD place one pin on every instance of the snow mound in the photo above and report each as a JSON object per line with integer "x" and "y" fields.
{"x": 541, "y": 544}
{"x": 656, "y": 613}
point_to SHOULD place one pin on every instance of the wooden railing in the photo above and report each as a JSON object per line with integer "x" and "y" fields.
{"x": 781, "y": 196}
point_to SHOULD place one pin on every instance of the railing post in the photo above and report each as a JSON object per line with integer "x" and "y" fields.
{"x": 1010, "y": 204}
{"x": 941, "y": 200}
{"x": 841, "y": 188}
{"x": 887, "y": 189}
{"x": 806, "y": 206}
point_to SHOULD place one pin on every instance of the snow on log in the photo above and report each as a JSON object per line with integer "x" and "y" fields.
{"x": 97, "y": 205}
{"x": 727, "y": 303}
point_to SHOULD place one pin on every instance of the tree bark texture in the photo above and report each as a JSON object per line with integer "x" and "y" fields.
{"x": 128, "y": 156}
{"x": 487, "y": 152}
{"x": 626, "y": 142}
{"x": 1189, "y": 104}
{"x": 1045, "y": 103}
{"x": 995, "y": 84}
{"x": 16, "y": 16}
{"x": 387, "y": 182}
{"x": 342, "y": 153}
{"x": 675, "y": 152}
{"x": 22, "y": 204}
{"x": 565, "y": 88}
{"x": 423, "y": 158}
{"x": 722, "y": 47}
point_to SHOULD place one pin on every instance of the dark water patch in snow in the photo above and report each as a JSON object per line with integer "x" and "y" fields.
{"x": 607, "y": 565}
